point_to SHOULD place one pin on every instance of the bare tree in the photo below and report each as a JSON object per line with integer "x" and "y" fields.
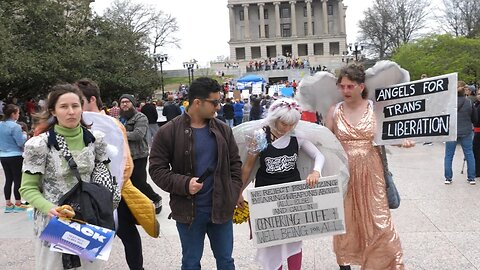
{"x": 461, "y": 17}
{"x": 164, "y": 27}
{"x": 375, "y": 28}
{"x": 389, "y": 24}
{"x": 156, "y": 28}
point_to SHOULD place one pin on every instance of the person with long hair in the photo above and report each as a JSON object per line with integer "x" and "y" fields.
{"x": 46, "y": 175}
{"x": 280, "y": 143}
{"x": 465, "y": 115}
{"x": 12, "y": 139}
{"x": 371, "y": 239}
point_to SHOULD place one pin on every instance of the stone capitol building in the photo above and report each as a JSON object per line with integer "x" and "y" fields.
{"x": 312, "y": 30}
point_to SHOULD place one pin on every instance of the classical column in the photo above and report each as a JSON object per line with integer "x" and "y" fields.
{"x": 246, "y": 20}
{"x": 309, "y": 17}
{"x": 232, "y": 21}
{"x": 294, "y": 50}
{"x": 310, "y": 49}
{"x": 261, "y": 11}
{"x": 277, "y": 18}
{"x": 325, "y": 16}
{"x": 263, "y": 51}
{"x": 248, "y": 53}
{"x": 293, "y": 18}
{"x": 278, "y": 48}
{"x": 233, "y": 53}
{"x": 341, "y": 22}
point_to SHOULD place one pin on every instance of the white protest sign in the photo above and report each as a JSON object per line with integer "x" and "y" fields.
{"x": 257, "y": 88}
{"x": 272, "y": 90}
{"x": 245, "y": 94}
{"x": 423, "y": 110}
{"x": 293, "y": 211}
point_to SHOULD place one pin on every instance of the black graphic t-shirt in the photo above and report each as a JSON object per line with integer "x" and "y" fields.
{"x": 278, "y": 166}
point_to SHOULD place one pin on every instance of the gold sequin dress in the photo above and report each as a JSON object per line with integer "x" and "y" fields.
{"x": 371, "y": 240}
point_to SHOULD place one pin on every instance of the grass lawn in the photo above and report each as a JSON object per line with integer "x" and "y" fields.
{"x": 172, "y": 83}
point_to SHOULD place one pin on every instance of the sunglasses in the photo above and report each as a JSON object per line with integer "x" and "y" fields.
{"x": 214, "y": 102}
{"x": 346, "y": 86}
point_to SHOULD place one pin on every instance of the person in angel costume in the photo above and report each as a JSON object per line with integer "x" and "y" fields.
{"x": 271, "y": 143}
{"x": 371, "y": 239}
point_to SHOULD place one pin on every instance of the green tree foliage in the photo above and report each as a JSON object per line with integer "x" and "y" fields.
{"x": 441, "y": 54}
{"x": 44, "y": 42}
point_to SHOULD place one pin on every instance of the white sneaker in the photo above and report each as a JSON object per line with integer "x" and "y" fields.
{"x": 448, "y": 181}
{"x": 471, "y": 181}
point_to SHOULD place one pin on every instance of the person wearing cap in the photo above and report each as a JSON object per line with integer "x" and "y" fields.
{"x": 136, "y": 125}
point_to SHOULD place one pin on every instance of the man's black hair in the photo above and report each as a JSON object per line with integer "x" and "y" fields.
{"x": 201, "y": 88}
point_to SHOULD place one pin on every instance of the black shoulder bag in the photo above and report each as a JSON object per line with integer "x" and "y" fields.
{"x": 92, "y": 202}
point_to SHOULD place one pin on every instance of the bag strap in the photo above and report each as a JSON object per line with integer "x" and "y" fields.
{"x": 68, "y": 156}
{"x": 383, "y": 156}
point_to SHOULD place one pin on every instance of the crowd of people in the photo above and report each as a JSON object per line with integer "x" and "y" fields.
{"x": 277, "y": 63}
{"x": 179, "y": 139}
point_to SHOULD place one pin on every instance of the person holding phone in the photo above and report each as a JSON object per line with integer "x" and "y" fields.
{"x": 183, "y": 150}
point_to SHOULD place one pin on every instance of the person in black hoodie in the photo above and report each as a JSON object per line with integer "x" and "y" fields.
{"x": 150, "y": 111}
{"x": 476, "y": 134}
{"x": 228, "y": 112}
{"x": 256, "y": 110}
{"x": 171, "y": 110}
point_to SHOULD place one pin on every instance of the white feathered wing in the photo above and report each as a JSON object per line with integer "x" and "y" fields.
{"x": 382, "y": 74}
{"x": 336, "y": 162}
{"x": 318, "y": 92}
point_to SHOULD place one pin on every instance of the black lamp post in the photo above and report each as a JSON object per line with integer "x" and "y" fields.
{"x": 356, "y": 49}
{"x": 346, "y": 57}
{"x": 190, "y": 65}
{"x": 160, "y": 58}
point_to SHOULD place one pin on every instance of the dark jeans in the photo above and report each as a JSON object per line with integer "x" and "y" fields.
{"x": 12, "y": 167}
{"x": 139, "y": 179}
{"x": 192, "y": 238}
{"x": 128, "y": 233}
{"x": 476, "y": 153}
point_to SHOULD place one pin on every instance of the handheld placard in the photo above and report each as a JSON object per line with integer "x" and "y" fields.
{"x": 204, "y": 176}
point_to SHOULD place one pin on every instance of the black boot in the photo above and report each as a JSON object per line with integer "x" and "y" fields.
{"x": 345, "y": 267}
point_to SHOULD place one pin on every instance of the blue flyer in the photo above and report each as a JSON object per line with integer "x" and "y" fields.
{"x": 84, "y": 240}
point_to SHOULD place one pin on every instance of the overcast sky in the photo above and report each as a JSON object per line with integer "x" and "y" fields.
{"x": 204, "y": 28}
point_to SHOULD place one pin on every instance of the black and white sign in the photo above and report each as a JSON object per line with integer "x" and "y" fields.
{"x": 293, "y": 211}
{"x": 423, "y": 110}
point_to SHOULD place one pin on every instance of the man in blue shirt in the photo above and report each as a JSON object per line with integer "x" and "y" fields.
{"x": 184, "y": 149}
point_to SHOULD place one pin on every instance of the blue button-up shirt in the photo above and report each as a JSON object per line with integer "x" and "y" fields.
{"x": 11, "y": 139}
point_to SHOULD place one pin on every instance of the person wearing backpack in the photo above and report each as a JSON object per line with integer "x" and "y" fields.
{"x": 46, "y": 175}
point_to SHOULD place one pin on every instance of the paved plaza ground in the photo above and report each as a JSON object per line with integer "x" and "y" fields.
{"x": 439, "y": 225}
